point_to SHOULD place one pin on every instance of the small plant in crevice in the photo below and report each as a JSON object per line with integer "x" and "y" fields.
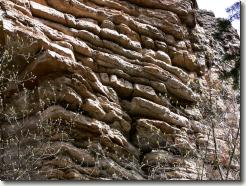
{"x": 234, "y": 72}
{"x": 230, "y": 61}
{"x": 223, "y": 26}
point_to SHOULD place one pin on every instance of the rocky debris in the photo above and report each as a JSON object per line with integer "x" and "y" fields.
{"x": 111, "y": 90}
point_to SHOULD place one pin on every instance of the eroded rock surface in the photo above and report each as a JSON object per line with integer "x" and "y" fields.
{"x": 109, "y": 90}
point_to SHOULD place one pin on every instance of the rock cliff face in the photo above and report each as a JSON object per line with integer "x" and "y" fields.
{"x": 115, "y": 90}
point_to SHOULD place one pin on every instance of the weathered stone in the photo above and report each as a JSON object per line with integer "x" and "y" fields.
{"x": 148, "y": 137}
{"x": 163, "y": 57}
{"x": 123, "y": 87}
{"x": 163, "y": 126}
{"x": 93, "y": 108}
{"x": 147, "y": 42}
{"x": 47, "y": 13}
{"x": 119, "y": 38}
{"x": 124, "y": 29}
{"x": 116, "y": 90}
{"x": 144, "y": 92}
{"x": 143, "y": 107}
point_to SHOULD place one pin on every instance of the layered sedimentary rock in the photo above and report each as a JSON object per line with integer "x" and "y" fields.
{"x": 108, "y": 90}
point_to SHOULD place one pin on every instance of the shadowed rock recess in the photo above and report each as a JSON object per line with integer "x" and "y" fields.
{"x": 114, "y": 90}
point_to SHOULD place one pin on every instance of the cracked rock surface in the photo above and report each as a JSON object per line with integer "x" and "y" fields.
{"x": 109, "y": 90}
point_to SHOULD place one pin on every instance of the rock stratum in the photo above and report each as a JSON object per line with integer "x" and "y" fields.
{"x": 115, "y": 90}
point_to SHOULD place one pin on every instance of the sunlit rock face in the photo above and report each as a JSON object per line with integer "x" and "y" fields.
{"x": 114, "y": 90}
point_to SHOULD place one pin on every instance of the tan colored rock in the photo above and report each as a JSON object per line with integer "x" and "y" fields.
{"x": 144, "y": 92}
{"x": 161, "y": 46}
{"x": 194, "y": 113}
{"x": 22, "y": 6}
{"x": 172, "y": 84}
{"x": 163, "y": 57}
{"x": 123, "y": 87}
{"x": 112, "y": 90}
{"x": 87, "y": 25}
{"x": 160, "y": 87}
{"x": 108, "y": 24}
{"x": 183, "y": 168}
{"x": 47, "y": 13}
{"x": 148, "y": 137}
{"x": 152, "y": 110}
{"x": 78, "y": 9}
{"x": 124, "y": 29}
{"x": 147, "y": 42}
{"x": 186, "y": 60}
{"x": 167, "y": 5}
{"x": 172, "y": 69}
{"x": 184, "y": 146}
{"x": 94, "y": 109}
{"x": 120, "y": 38}
{"x": 199, "y": 127}
{"x": 163, "y": 126}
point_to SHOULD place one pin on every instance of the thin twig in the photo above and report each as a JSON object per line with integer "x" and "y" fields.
{"x": 233, "y": 152}
{"x": 206, "y": 152}
{"x": 216, "y": 153}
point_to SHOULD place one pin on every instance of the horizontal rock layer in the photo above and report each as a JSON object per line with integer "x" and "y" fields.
{"x": 101, "y": 90}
